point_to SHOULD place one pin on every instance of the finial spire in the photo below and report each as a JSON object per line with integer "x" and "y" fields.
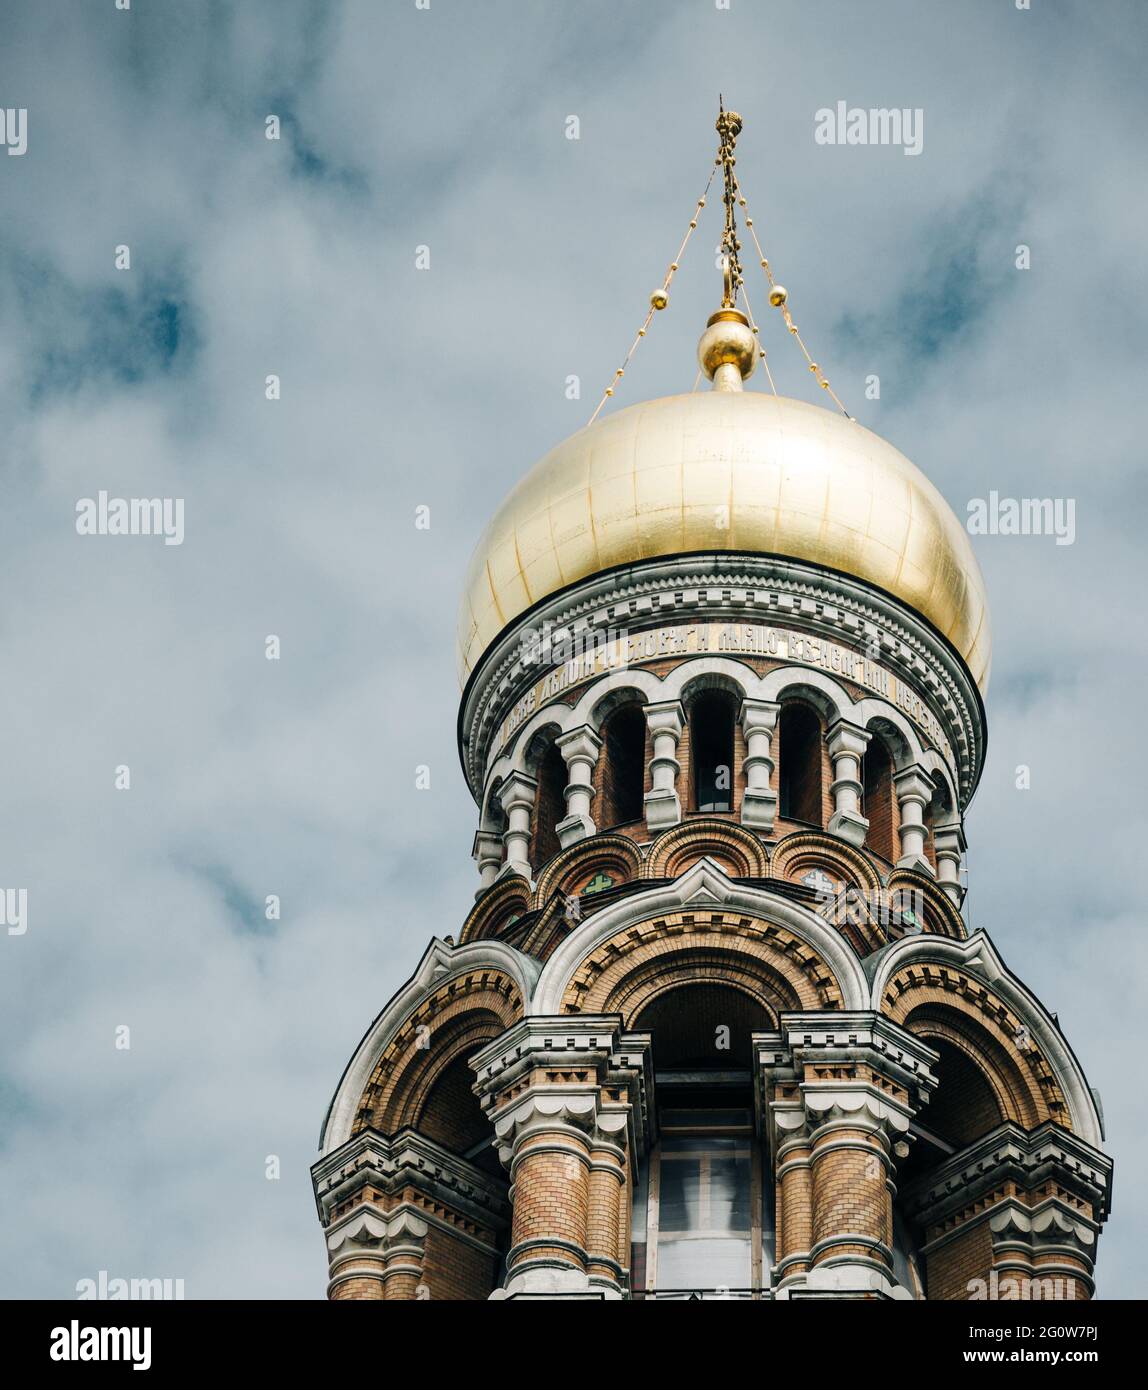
{"x": 728, "y": 349}
{"x": 729, "y": 128}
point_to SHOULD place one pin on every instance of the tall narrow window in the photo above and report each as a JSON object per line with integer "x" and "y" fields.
{"x": 549, "y": 805}
{"x": 879, "y": 800}
{"x": 623, "y": 767}
{"x": 711, "y": 750}
{"x": 799, "y": 764}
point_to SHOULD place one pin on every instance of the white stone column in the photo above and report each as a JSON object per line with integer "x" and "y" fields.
{"x": 759, "y": 800}
{"x": 949, "y": 845}
{"x": 580, "y": 748}
{"x": 914, "y": 792}
{"x": 487, "y": 853}
{"x": 846, "y": 744}
{"x": 663, "y": 808}
{"x": 517, "y": 796}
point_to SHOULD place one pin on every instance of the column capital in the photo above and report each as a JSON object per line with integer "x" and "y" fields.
{"x": 846, "y": 740}
{"x": 758, "y": 716}
{"x": 950, "y": 837}
{"x": 666, "y": 717}
{"x": 519, "y": 789}
{"x": 914, "y": 784}
{"x": 582, "y": 743}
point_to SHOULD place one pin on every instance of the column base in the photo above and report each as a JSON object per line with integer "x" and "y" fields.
{"x": 845, "y": 1281}
{"x": 663, "y": 809}
{"x": 850, "y": 826}
{"x": 918, "y": 862}
{"x": 758, "y": 810}
{"x": 573, "y": 829}
{"x": 511, "y": 870}
{"x": 549, "y": 1282}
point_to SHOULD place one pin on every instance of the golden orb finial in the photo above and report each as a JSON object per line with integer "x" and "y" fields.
{"x": 727, "y": 350}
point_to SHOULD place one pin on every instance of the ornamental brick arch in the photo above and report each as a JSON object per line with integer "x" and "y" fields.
{"x": 496, "y": 909}
{"x": 626, "y": 973}
{"x": 449, "y": 1024}
{"x": 944, "y": 1003}
{"x": 458, "y": 996}
{"x": 615, "y": 857}
{"x": 739, "y": 852}
{"x": 907, "y": 887}
{"x": 810, "y": 851}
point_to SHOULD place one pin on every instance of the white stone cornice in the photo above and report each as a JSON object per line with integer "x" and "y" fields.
{"x": 407, "y": 1159}
{"x": 735, "y": 588}
{"x": 1027, "y": 1157}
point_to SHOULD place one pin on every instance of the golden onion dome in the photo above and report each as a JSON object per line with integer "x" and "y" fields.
{"x": 727, "y": 470}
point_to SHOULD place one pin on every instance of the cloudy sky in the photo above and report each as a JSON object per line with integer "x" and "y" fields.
{"x": 446, "y": 127}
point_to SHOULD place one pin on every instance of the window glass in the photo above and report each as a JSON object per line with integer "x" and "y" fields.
{"x": 704, "y": 1226}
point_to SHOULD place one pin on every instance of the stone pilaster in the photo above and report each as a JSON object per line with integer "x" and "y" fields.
{"x": 580, "y": 748}
{"x": 839, "y": 1091}
{"x": 566, "y": 1097}
{"x": 663, "y": 805}
{"x": 759, "y": 800}
{"x": 846, "y": 744}
{"x": 914, "y": 789}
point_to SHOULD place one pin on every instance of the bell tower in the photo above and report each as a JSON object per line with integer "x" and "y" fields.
{"x": 715, "y": 1025}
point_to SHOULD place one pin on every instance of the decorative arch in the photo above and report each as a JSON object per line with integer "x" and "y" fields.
{"x": 941, "y": 916}
{"x": 694, "y": 678}
{"x": 614, "y": 855}
{"x": 631, "y": 971}
{"x": 881, "y": 718}
{"x": 494, "y": 909}
{"x": 754, "y": 931}
{"x": 458, "y": 993}
{"x": 738, "y": 851}
{"x": 961, "y": 993}
{"x": 830, "y": 700}
{"x": 805, "y": 851}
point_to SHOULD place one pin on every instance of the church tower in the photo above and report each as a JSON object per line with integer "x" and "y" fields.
{"x": 715, "y": 1025}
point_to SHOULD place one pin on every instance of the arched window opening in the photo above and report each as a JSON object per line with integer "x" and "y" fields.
{"x": 703, "y": 1206}
{"x": 879, "y": 800}
{"x": 623, "y": 767}
{"x": 549, "y": 806}
{"x": 799, "y": 744}
{"x": 711, "y": 750}
{"x": 452, "y": 1116}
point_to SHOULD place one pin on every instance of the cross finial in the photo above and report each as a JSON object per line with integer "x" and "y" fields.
{"x": 728, "y": 129}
